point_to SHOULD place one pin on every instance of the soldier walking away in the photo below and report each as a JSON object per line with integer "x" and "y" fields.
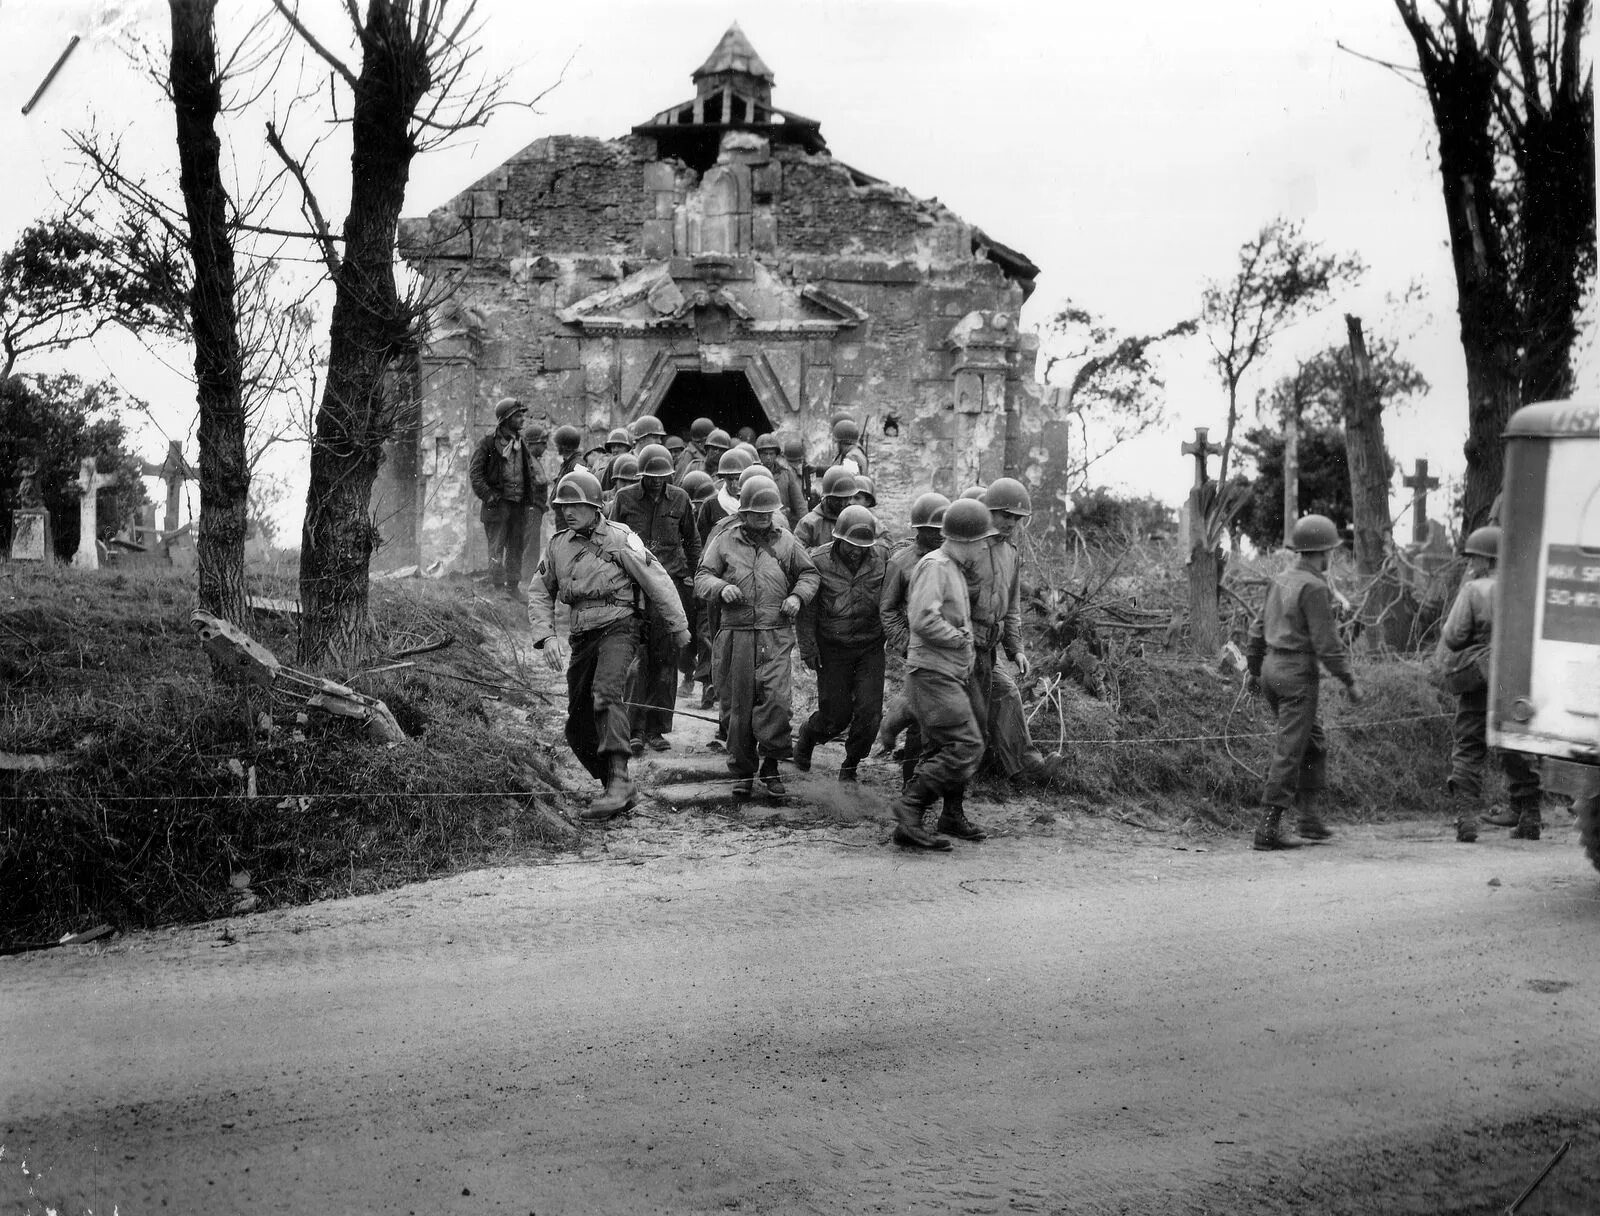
{"x": 939, "y": 663}
{"x": 841, "y": 639}
{"x": 502, "y": 476}
{"x": 927, "y": 516}
{"x": 761, "y": 577}
{"x": 606, "y": 576}
{"x": 789, "y": 490}
{"x": 1464, "y": 649}
{"x": 847, "y": 447}
{"x": 536, "y": 436}
{"x": 1010, "y": 749}
{"x": 815, "y": 528}
{"x": 1291, "y": 639}
{"x": 661, "y": 516}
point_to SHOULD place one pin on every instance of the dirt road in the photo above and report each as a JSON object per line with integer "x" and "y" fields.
{"x": 808, "y": 1020}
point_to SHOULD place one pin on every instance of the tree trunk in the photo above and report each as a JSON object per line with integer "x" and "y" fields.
{"x": 1368, "y": 460}
{"x": 1205, "y": 577}
{"x": 1291, "y": 473}
{"x": 370, "y": 332}
{"x": 224, "y": 469}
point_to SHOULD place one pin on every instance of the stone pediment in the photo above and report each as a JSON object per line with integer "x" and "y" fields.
{"x": 678, "y": 293}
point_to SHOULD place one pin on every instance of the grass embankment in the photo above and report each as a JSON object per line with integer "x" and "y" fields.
{"x": 1389, "y": 756}
{"x": 152, "y": 823}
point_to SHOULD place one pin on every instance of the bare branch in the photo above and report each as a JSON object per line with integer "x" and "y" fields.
{"x": 310, "y": 39}
{"x": 312, "y": 209}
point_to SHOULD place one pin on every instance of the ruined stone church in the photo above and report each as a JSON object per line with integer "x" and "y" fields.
{"x": 715, "y": 261}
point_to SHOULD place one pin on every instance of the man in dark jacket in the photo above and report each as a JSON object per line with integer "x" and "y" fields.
{"x": 841, "y": 639}
{"x": 790, "y": 492}
{"x": 504, "y": 479}
{"x": 661, "y": 516}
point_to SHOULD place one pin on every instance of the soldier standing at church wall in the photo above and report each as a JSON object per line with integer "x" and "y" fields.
{"x": 502, "y": 477}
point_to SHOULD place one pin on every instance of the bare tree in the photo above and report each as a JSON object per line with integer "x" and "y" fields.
{"x": 1513, "y": 106}
{"x": 1112, "y": 391}
{"x": 408, "y": 93}
{"x": 1282, "y": 278}
{"x": 196, "y": 91}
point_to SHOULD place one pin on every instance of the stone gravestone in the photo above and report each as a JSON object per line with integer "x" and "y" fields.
{"x": 90, "y": 484}
{"x": 30, "y": 534}
{"x": 30, "y": 523}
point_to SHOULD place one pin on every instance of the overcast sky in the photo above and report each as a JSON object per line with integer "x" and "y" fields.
{"x": 1127, "y": 149}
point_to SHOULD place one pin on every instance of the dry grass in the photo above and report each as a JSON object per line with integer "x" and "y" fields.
{"x": 152, "y": 823}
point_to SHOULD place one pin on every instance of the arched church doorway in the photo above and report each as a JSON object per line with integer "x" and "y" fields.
{"x": 724, "y": 397}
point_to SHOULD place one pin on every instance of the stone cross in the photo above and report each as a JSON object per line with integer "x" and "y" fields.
{"x": 1419, "y": 483}
{"x": 174, "y": 470}
{"x": 90, "y": 484}
{"x": 1200, "y": 449}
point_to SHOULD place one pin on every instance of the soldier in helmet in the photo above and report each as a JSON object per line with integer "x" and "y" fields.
{"x": 660, "y": 515}
{"x": 717, "y": 506}
{"x": 717, "y": 442}
{"x": 998, "y": 605}
{"x": 794, "y": 499}
{"x": 568, "y": 439}
{"x": 794, "y": 455}
{"x": 624, "y": 473}
{"x": 502, "y": 475}
{"x": 618, "y": 444}
{"x": 847, "y": 446}
{"x": 1292, "y": 638}
{"x": 815, "y": 528}
{"x": 939, "y": 665}
{"x": 841, "y": 639}
{"x": 536, "y": 436}
{"x": 606, "y": 576}
{"x": 693, "y": 455}
{"x": 927, "y": 517}
{"x": 646, "y": 429}
{"x": 1464, "y": 651}
{"x": 696, "y": 663}
{"x": 762, "y": 578}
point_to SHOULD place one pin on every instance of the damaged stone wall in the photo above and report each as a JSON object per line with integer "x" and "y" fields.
{"x": 583, "y": 275}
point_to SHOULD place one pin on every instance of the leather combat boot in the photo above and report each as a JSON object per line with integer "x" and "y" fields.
{"x": 847, "y": 770}
{"x": 908, "y": 831}
{"x": 1467, "y": 823}
{"x": 620, "y": 793}
{"x": 1270, "y": 832}
{"x": 953, "y": 819}
{"x": 708, "y": 696}
{"x": 1529, "y": 821}
{"x": 770, "y": 778}
{"x": 744, "y": 787}
{"x": 1502, "y": 817}
{"x": 804, "y": 745}
{"x": 1308, "y": 824}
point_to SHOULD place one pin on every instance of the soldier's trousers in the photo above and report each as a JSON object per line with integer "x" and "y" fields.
{"x": 952, "y": 742}
{"x": 689, "y": 656}
{"x": 1010, "y": 751}
{"x": 506, "y": 533}
{"x": 655, "y": 679}
{"x": 1299, "y": 764}
{"x": 597, "y": 686}
{"x": 849, "y": 693}
{"x": 753, "y": 674}
{"x": 1470, "y": 750}
{"x": 710, "y": 623}
{"x": 532, "y": 540}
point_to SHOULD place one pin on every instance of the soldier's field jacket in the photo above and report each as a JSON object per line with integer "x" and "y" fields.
{"x": 997, "y": 612}
{"x": 845, "y": 611}
{"x": 605, "y": 577}
{"x": 896, "y": 585}
{"x": 665, "y": 524}
{"x": 938, "y": 615}
{"x": 767, "y": 567}
{"x": 1298, "y": 618}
